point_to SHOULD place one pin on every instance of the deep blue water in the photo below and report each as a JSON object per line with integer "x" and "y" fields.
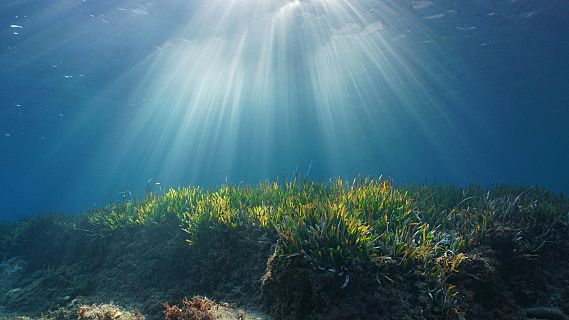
{"x": 99, "y": 97}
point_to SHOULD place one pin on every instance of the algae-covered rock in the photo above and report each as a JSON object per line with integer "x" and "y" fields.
{"x": 107, "y": 312}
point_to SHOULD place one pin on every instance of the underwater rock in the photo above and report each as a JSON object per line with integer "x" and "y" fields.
{"x": 107, "y": 311}
{"x": 292, "y": 289}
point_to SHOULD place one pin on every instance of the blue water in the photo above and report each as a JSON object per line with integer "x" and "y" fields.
{"x": 104, "y": 99}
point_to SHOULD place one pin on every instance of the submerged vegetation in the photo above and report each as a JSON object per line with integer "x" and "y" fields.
{"x": 366, "y": 232}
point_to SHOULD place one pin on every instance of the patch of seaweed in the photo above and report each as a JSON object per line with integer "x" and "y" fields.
{"x": 196, "y": 308}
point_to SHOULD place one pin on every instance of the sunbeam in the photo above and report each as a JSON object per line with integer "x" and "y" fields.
{"x": 211, "y": 91}
{"x": 242, "y": 82}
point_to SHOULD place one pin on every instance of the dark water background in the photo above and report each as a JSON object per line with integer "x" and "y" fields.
{"x": 99, "y": 97}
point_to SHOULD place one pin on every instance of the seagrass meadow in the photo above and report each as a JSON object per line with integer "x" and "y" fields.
{"x": 296, "y": 249}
